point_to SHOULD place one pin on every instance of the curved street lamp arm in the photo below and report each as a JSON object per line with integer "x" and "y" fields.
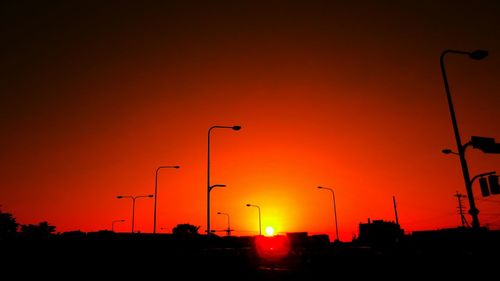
{"x": 469, "y": 143}
{"x": 481, "y": 175}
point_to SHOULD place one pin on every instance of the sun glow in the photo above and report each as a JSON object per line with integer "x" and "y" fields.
{"x": 272, "y": 248}
{"x": 269, "y": 231}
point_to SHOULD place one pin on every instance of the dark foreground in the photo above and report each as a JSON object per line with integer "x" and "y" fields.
{"x": 143, "y": 257}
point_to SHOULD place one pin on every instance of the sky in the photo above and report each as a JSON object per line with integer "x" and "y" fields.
{"x": 95, "y": 95}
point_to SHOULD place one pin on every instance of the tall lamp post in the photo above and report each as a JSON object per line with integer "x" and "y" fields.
{"x": 156, "y": 191}
{"x": 209, "y": 187}
{"x": 113, "y": 224}
{"x": 476, "y": 55}
{"x": 228, "y": 222}
{"x": 334, "y": 211}
{"x": 133, "y": 204}
{"x": 260, "y": 225}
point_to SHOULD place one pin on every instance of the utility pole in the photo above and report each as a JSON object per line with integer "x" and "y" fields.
{"x": 460, "y": 208}
{"x": 395, "y": 209}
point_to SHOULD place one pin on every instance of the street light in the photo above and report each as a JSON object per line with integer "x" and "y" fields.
{"x": 133, "y": 204}
{"x": 476, "y": 55}
{"x": 113, "y": 224}
{"x": 334, "y": 211}
{"x": 448, "y": 151}
{"x": 156, "y": 192}
{"x": 260, "y": 225}
{"x": 209, "y": 187}
{"x": 228, "y": 222}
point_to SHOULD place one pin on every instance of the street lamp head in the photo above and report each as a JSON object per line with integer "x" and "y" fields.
{"x": 249, "y": 205}
{"x": 478, "y": 54}
{"x": 446, "y": 151}
{"x": 151, "y": 196}
{"x": 219, "y": 213}
{"x": 236, "y": 128}
{"x": 176, "y": 167}
{"x": 119, "y": 197}
{"x": 320, "y": 187}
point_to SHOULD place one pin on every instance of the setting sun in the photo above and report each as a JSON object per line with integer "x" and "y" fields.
{"x": 269, "y": 231}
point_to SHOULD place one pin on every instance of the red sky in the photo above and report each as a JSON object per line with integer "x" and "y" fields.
{"x": 350, "y": 96}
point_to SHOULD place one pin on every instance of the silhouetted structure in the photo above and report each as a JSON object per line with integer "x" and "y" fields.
{"x": 380, "y": 233}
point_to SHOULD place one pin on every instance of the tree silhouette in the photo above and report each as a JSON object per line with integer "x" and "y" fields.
{"x": 8, "y": 225}
{"x": 185, "y": 229}
{"x": 41, "y": 230}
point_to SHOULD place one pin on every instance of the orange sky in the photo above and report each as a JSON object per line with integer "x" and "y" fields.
{"x": 349, "y": 96}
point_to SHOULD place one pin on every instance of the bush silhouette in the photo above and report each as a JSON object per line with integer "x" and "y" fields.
{"x": 41, "y": 230}
{"x": 185, "y": 229}
{"x": 8, "y": 225}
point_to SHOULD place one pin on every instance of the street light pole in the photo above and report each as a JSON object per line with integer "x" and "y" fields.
{"x": 476, "y": 55}
{"x": 334, "y": 211}
{"x": 209, "y": 187}
{"x": 133, "y": 204}
{"x": 228, "y": 222}
{"x": 260, "y": 225}
{"x": 113, "y": 224}
{"x": 156, "y": 192}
